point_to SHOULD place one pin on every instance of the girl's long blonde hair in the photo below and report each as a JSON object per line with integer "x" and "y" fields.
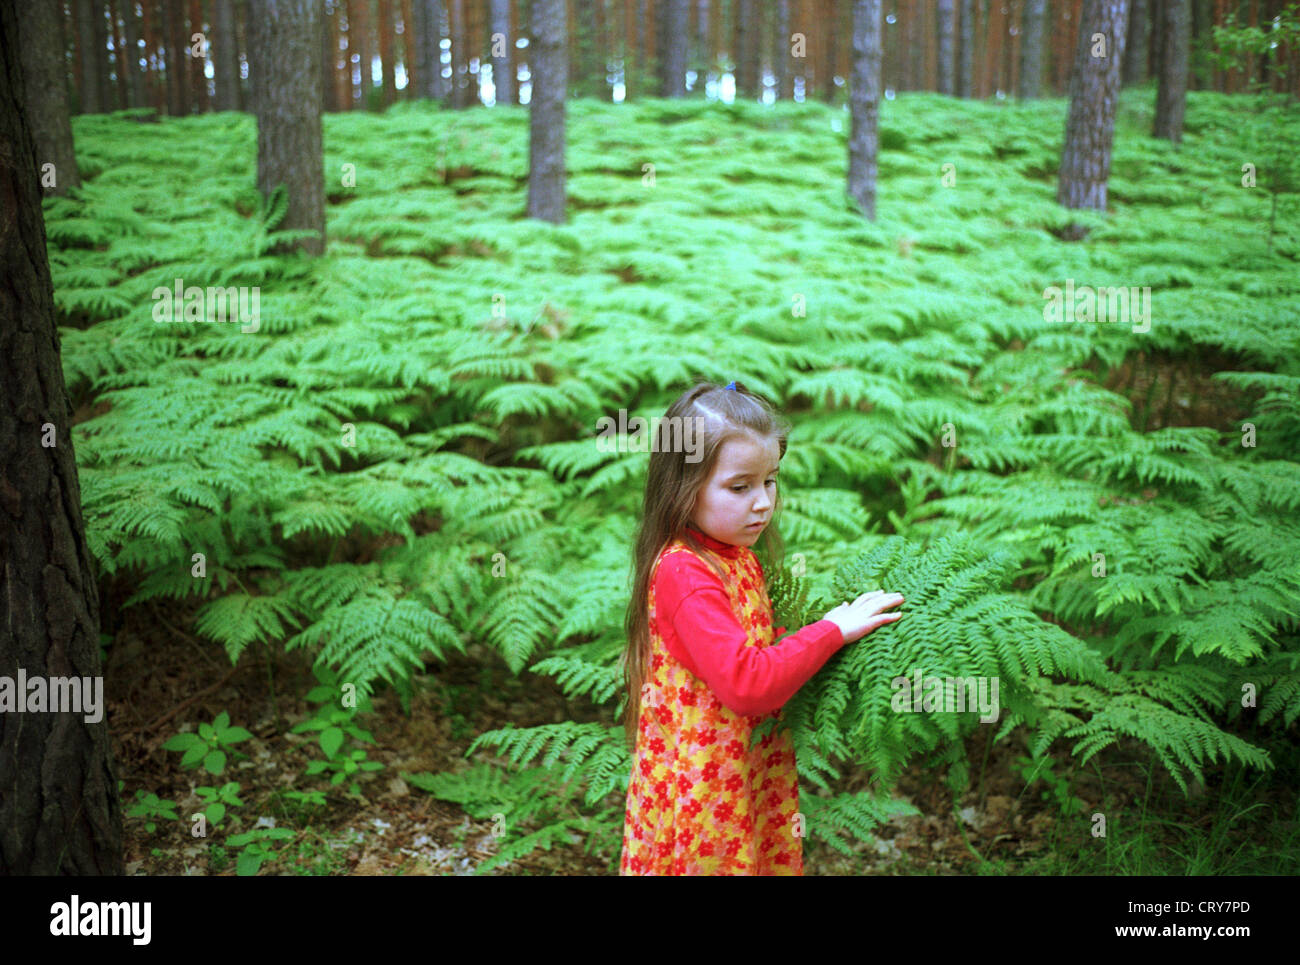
{"x": 672, "y": 486}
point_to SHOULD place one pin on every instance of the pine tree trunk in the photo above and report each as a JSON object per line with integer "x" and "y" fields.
{"x": 177, "y": 75}
{"x": 907, "y": 27}
{"x": 1031, "y": 50}
{"x": 225, "y": 55}
{"x": 647, "y": 35}
{"x": 120, "y": 92}
{"x": 783, "y": 78}
{"x": 747, "y": 50}
{"x": 1094, "y": 95}
{"x": 603, "y": 59}
{"x": 284, "y": 55}
{"x": 1157, "y": 34}
{"x": 195, "y": 63}
{"x": 864, "y": 102}
{"x": 548, "y": 63}
{"x": 59, "y": 811}
{"x": 993, "y": 49}
{"x": 674, "y": 20}
{"x": 966, "y": 50}
{"x": 359, "y": 41}
{"x": 99, "y": 26}
{"x": 151, "y": 29}
{"x": 947, "y": 47}
{"x": 634, "y": 42}
{"x": 89, "y": 94}
{"x": 135, "y": 82}
{"x": 327, "y": 65}
{"x": 46, "y": 106}
{"x": 1135, "y": 48}
{"x": 384, "y": 32}
{"x": 502, "y": 76}
{"x": 830, "y": 33}
{"x": 512, "y": 49}
{"x": 430, "y": 18}
{"x": 460, "y": 79}
{"x": 1171, "y": 97}
{"x": 417, "y": 40}
{"x": 405, "y": 53}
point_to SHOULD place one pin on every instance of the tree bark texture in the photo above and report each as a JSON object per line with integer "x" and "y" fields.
{"x": 1171, "y": 95}
{"x": 548, "y": 63}
{"x": 59, "y": 810}
{"x": 39, "y": 45}
{"x": 1094, "y": 96}
{"x": 864, "y": 100}
{"x": 284, "y": 41}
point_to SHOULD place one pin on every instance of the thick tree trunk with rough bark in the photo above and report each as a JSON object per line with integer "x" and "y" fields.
{"x": 1094, "y": 96}
{"x": 39, "y": 43}
{"x": 59, "y": 808}
{"x": 1171, "y": 96}
{"x": 548, "y": 62}
{"x": 864, "y": 105}
{"x": 284, "y": 54}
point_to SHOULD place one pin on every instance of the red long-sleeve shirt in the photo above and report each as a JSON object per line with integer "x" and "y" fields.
{"x": 701, "y": 631}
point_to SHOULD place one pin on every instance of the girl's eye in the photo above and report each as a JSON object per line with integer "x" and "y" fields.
{"x": 741, "y": 488}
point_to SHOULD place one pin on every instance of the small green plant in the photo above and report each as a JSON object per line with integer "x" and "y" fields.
{"x": 218, "y": 800}
{"x": 345, "y": 766}
{"x": 254, "y": 848}
{"x": 336, "y": 722}
{"x": 152, "y": 808}
{"x": 1058, "y": 787}
{"x": 209, "y": 746}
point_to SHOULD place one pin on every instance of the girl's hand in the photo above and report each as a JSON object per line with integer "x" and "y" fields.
{"x": 863, "y": 615}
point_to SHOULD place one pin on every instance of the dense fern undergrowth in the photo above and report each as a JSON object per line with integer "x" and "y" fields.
{"x": 401, "y": 460}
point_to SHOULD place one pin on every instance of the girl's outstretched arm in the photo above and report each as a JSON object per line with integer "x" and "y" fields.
{"x": 697, "y": 623}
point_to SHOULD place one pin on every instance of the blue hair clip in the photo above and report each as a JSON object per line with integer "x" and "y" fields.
{"x": 732, "y": 385}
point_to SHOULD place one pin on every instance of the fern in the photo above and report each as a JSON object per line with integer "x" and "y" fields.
{"x": 956, "y": 624}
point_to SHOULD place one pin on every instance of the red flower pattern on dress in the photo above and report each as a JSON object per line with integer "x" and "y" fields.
{"x": 700, "y": 801}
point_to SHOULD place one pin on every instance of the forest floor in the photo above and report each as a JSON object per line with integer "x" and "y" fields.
{"x": 164, "y": 680}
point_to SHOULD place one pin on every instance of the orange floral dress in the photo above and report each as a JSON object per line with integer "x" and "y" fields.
{"x": 700, "y": 801}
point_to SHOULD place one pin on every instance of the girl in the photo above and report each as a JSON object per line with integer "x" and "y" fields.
{"x": 700, "y": 668}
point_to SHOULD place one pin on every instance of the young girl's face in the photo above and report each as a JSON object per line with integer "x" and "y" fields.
{"x": 741, "y": 490}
